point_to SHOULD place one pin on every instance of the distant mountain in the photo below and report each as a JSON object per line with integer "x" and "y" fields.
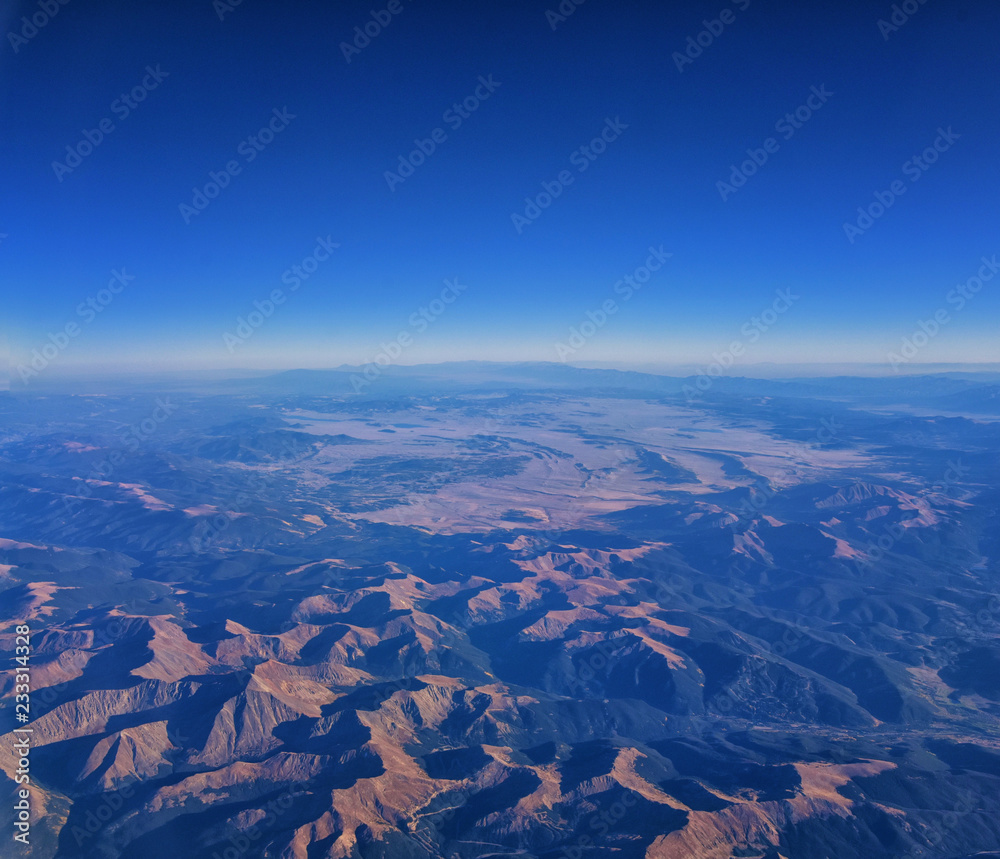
{"x": 983, "y": 399}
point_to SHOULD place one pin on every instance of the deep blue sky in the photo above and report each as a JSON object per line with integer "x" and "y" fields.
{"x": 655, "y": 185}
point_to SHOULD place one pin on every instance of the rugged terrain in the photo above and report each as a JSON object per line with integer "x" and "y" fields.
{"x": 531, "y": 611}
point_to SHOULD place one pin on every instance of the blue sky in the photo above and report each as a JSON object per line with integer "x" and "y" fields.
{"x": 209, "y": 85}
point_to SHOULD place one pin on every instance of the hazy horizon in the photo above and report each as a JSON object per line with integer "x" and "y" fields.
{"x": 761, "y": 371}
{"x": 229, "y": 188}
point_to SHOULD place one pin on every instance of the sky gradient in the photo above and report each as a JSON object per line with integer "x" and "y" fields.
{"x": 674, "y": 126}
